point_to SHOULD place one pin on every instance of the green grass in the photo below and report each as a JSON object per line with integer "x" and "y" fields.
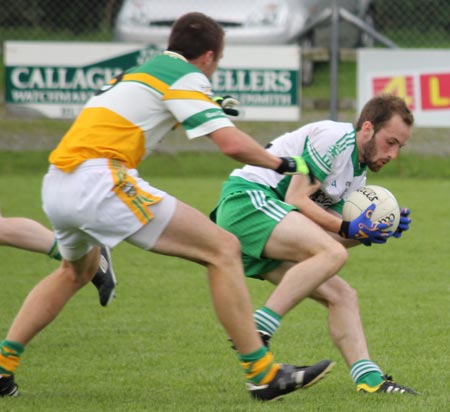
{"x": 320, "y": 88}
{"x": 158, "y": 347}
{"x": 433, "y": 38}
{"x": 215, "y": 164}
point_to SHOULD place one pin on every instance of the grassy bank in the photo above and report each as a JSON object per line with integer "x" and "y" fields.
{"x": 216, "y": 164}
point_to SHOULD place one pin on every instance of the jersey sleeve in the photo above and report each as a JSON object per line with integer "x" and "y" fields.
{"x": 323, "y": 146}
{"x": 189, "y": 100}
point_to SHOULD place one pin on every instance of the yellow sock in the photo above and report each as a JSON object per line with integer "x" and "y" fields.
{"x": 259, "y": 366}
{"x": 10, "y": 353}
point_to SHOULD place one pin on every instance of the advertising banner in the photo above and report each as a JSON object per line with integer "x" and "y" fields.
{"x": 420, "y": 76}
{"x": 55, "y": 79}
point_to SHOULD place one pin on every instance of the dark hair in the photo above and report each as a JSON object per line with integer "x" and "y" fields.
{"x": 194, "y": 34}
{"x": 381, "y": 108}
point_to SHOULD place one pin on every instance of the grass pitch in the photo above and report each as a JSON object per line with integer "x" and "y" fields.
{"x": 158, "y": 347}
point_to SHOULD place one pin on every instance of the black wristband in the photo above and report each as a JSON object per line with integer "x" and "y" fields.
{"x": 230, "y": 112}
{"x": 343, "y": 231}
{"x": 287, "y": 164}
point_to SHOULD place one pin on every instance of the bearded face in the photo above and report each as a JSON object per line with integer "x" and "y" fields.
{"x": 383, "y": 145}
{"x": 369, "y": 155}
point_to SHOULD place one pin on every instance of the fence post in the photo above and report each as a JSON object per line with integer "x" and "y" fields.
{"x": 334, "y": 60}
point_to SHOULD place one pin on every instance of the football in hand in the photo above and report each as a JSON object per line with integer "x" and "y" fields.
{"x": 387, "y": 208}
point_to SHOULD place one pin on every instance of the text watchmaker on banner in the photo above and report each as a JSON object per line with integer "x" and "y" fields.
{"x": 55, "y": 79}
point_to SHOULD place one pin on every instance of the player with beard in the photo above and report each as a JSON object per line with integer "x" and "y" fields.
{"x": 261, "y": 208}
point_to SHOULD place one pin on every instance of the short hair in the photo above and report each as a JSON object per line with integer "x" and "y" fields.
{"x": 194, "y": 34}
{"x": 381, "y": 108}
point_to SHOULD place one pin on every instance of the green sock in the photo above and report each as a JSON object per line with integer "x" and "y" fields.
{"x": 10, "y": 353}
{"x": 54, "y": 251}
{"x": 366, "y": 371}
{"x": 267, "y": 320}
{"x": 253, "y": 356}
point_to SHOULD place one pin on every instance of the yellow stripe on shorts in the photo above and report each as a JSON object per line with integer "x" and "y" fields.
{"x": 127, "y": 190}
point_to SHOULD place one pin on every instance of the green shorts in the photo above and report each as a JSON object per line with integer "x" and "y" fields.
{"x": 251, "y": 213}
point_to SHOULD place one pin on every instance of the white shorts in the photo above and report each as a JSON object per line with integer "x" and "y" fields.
{"x": 103, "y": 203}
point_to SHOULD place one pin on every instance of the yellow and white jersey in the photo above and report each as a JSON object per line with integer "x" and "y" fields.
{"x": 130, "y": 115}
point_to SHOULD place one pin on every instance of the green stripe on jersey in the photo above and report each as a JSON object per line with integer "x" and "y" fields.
{"x": 202, "y": 117}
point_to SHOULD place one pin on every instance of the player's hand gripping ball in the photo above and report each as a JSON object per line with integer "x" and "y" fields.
{"x": 386, "y": 206}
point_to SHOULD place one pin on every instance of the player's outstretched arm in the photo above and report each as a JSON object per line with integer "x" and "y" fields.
{"x": 238, "y": 145}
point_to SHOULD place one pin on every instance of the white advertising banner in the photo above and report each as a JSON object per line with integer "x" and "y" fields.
{"x": 420, "y": 76}
{"x": 55, "y": 79}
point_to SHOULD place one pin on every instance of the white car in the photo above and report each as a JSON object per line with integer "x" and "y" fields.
{"x": 262, "y": 22}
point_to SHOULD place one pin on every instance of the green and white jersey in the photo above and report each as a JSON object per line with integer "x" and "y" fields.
{"x": 331, "y": 151}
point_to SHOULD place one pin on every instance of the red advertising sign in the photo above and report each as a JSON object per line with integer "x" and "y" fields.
{"x": 420, "y": 76}
{"x": 435, "y": 91}
{"x": 402, "y": 86}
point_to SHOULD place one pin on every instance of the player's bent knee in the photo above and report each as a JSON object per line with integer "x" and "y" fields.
{"x": 70, "y": 276}
{"x": 228, "y": 247}
{"x": 336, "y": 255}
{"x": 343, "y": 253}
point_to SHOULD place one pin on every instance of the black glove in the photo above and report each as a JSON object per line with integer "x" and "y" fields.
{"x": 295, "y": 165}
{"x": 228, "y": 104}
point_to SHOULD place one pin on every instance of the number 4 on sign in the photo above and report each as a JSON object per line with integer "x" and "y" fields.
{"x": 401, "y": 86}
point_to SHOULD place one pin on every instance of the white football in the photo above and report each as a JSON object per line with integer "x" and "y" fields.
{"x": 387, "y": 208}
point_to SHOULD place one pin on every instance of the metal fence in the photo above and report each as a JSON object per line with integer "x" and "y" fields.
{"x": 408, "y": 23}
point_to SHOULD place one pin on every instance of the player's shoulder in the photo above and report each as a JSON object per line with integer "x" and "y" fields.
{"x": 172, "y": 70}
{"x": 333, "y": 126}
{"x": 330, "y": 130}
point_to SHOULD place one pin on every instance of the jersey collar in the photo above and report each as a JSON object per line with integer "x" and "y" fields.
{"x": 175, "y": 55}
{"x": 358, "y": 167}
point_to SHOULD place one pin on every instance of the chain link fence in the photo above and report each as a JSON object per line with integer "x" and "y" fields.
{"x": 408, "y": 23}
{"x": 415, "y": 23}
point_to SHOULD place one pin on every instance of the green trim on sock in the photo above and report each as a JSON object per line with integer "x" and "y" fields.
{"x": 267, "y": 320}
{"x": 54, "y": 251}
{"x": 12, "y": 350}
{"x": 14, "y": 346}
{"x": 366, "y": 371}
{"x": 271, "y": 313}
{"x": 253, "y": 356}
{"x": 371, "y": 379}
{"x": 258, "y": 365}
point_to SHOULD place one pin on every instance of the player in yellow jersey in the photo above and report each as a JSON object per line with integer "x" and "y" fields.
{"x": 93, "y": 195}
{"x": 27, "y": 234}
